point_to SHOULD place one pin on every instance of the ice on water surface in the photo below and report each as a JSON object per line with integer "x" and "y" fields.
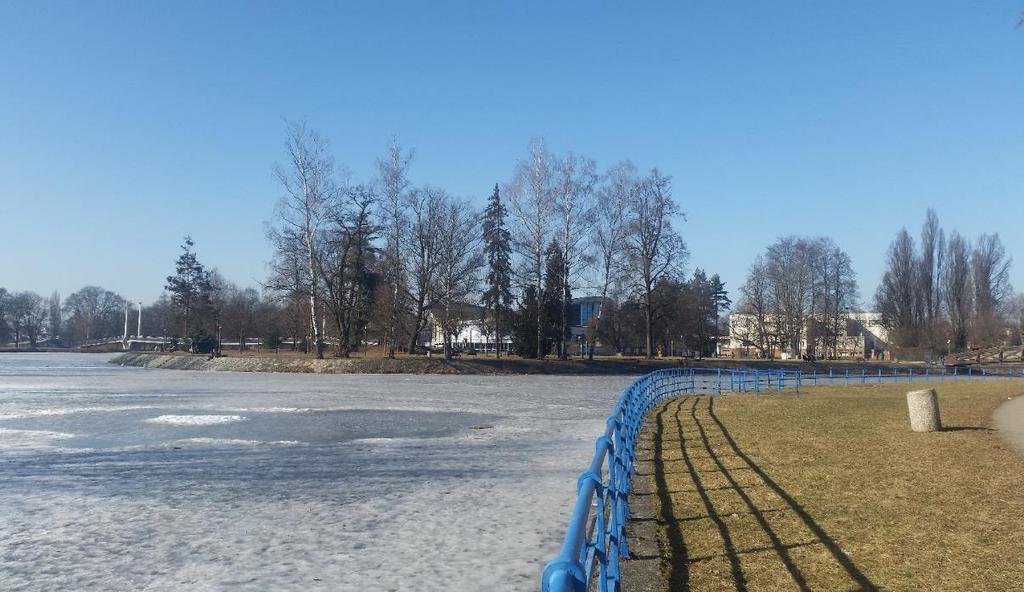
{"x": 125, "y": 479}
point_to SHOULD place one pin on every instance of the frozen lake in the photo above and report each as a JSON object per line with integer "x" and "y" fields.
{"x": 135, "y": 479}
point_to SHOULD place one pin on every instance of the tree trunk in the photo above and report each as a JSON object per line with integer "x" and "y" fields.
{"x": 414, "y": 338}
{"x": 648, "y": 317}
{"x": 389, "y": 339}
{"x": 540, "y": 312}
{"x": 497, "y": 330}
{"x": 563, "y": 325}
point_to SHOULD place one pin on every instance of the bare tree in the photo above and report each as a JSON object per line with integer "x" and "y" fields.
{"x": 459, "y": 263}
{"x": 608, "y": 237}
{"x": 653, "y": 248}
{"x": 839, "y": 292}
{"x": 753, "y": 325}
{"x": 55, "y": 321}
{"x": 426, "y": 208}
{"x": 27, "y": 316}
{"x": 394, "y": 188}
{"x": 93, "y": 312}
{"x": 1015, "y": 316}
{"x": 5, "y": 309}
{"x": 898, "y": 298}
{"x": 530, "y": 203}
{"x": 574, "y": 181}
{"x": 930, "y": 271}
{"x": 790, "y": 265}
{"x": 287, "y": 282}
{"x": 240, "y": 308}
{"x": 344, "y": 265}
{"x": 307, "y": 179}
{"x": 990, "y": 271}
{"x": 956, "y": 290}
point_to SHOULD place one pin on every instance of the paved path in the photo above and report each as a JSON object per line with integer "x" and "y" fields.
{"x": 1009, "y": 419}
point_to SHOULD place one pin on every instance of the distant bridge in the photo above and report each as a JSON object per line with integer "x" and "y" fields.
{"x": 130, "y": 343}
{"x": 991, "y": 355}
{"x": 149, "y": 342}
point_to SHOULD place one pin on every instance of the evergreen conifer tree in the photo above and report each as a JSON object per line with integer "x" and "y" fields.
{"x": 497, "y": 298}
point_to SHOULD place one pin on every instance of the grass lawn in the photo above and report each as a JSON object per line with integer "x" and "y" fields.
{"x": 830, "y": 490}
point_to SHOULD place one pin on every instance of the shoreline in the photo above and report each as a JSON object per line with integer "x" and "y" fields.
{"x": 413, "y": 366}
{"x": 608, "y": 366}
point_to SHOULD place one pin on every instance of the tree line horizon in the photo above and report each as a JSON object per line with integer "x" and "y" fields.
{"x": 380, "y": 262}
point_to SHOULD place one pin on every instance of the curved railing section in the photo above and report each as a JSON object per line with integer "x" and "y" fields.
{"x": 596, "y": 538}
{"x": 594, "y": 543}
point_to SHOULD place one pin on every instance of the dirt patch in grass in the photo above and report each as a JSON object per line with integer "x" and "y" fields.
{"x": 830, "y": 490}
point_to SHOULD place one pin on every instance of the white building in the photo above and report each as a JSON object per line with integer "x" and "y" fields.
{"x": 862, "y": 337}
{"x": 472, "y": 334}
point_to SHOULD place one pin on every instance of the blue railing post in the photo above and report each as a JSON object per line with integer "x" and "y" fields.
{"x": 719, "y": 381}
{"x": 757, "y": 382}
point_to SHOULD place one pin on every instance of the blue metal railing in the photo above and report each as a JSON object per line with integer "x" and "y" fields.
{"x": 597, "y": 543}
{"x": 594, "y": 543}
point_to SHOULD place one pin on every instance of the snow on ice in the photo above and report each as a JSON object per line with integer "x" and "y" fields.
{"x": 340, "y": 482}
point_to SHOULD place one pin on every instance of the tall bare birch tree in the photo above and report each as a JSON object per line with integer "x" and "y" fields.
{"x": 530, "y": 204}
{"x": 393, "y": 171}
{"x": 307, "y": 179}
{"x": 574, "y": 181}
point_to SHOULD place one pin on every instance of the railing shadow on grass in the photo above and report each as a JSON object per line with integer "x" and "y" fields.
{"x": 680, "y": 558}
{"x": 840, "y": 557}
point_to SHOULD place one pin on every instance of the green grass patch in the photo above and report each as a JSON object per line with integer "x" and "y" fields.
{"x": 830, "y": 490}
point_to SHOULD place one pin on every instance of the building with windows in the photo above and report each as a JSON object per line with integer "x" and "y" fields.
{"x": 861, "y": 337}
{"x": 473, "y": 335}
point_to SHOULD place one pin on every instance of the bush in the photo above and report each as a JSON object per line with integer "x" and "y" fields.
{"x": 272, "y": 340}
{"x": 203, "y": 342}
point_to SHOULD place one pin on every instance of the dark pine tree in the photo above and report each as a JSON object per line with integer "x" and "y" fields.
{"x": 556, "y": 297}
{"x": 524, "y": 324}
{"x": 190, "y": 287}
{"x": 497, "y": 298}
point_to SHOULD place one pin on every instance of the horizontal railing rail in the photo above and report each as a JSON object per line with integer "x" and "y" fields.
{"x": 595, "y": 540}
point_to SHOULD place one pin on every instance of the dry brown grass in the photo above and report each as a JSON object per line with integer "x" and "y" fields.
{"x": 830, "y": 490}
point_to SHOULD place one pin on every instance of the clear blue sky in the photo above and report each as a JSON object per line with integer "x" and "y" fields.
{"x": 124, "y": 126}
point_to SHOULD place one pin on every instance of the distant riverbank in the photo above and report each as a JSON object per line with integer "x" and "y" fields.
{"x": 419, "y": 365}
{"x": 472, "y": 365}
